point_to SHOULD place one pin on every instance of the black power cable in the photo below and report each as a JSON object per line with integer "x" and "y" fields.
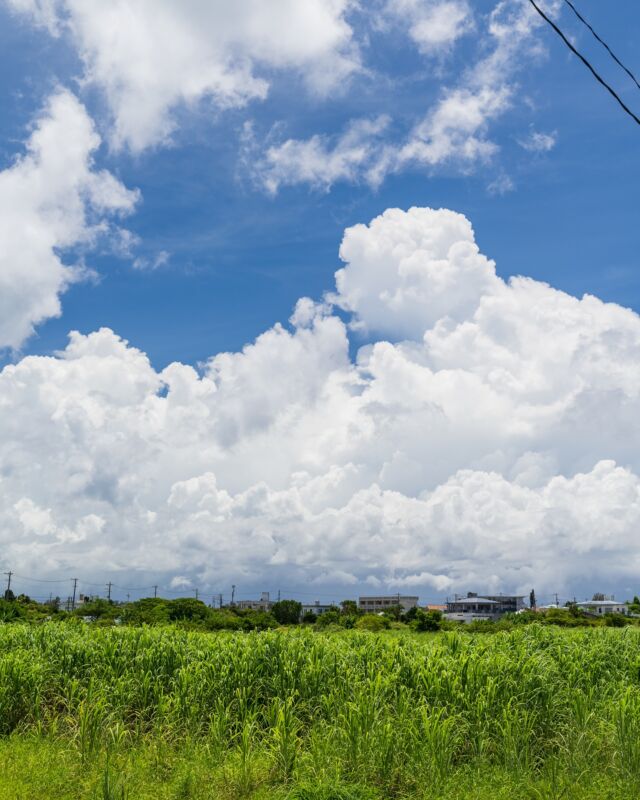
{"x": 602, "y": 42}
{"x": 585, "y": 62}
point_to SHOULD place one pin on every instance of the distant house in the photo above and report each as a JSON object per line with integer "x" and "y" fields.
{"x": 435, "y": 607}
{"x": 600, "y": 607}
{"x": 263, "y": 604}
{"x": 87, "y": 598}
{"x": 476, "y": 607}
{"x": 377, "y": 604}
{"x": 317, "y": 608}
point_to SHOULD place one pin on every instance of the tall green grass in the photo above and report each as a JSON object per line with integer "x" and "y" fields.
{"x": 301, "y": 714}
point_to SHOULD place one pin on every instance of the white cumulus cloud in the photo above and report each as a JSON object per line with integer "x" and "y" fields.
{"x": 453, "y": 132}
{"x": 52, "y": 198}
{"x": 434, "y": 25}
{"x": 539, "y": 142}
{"x": 489, "y": 442}
{"x": 151, "y": 57}
{"x": 319, "y": 161}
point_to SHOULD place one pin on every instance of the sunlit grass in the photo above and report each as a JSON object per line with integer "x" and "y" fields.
{"x": 131, "y": 713}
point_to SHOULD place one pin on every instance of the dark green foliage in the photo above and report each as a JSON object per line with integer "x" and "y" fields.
{"x": 287, "y": 612}
{"x": 147, "y": 611}
{"x": 187, "y": 609}
{"x": 329, "y": 618}
{"x": 427, "y": 620}
{"x": 10, "y": 611}
{"x": 98, "y": 609}
{"x": 258, "y": 621}
{"x": 221, "y": 620}
{"x": 394, "y": 612}
{"x": 349, "y": 608}
{"x": 616, "y": 620}
{"x": 410, "y": 614}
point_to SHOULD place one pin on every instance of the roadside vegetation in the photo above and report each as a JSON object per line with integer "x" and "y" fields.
{"x": 192, "y": 614}
{"x": 119, "y": 712}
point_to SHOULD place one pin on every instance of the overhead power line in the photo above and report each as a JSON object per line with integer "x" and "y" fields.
{"x": 42, "y": 580}
{"x": 600, "y": 80}
{"x": 602, "y": 42}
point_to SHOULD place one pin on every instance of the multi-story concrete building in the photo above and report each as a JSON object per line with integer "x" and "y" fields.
{"x": 263, "y": 604}
{"x": 378, "y": 603}
{"x": 474, "y": 607}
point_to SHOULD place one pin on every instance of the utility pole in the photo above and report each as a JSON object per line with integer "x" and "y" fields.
{"x": 73, "y": 602}
{"x": 109, "y": 591}
{"x": 220, "y": 599}
{"x": 278, "y": 595}
{"x": 233, "y": 593}
{"x": 8, "y": 574}
{"x": 557, "y": 601}
{"x": 155, "y": 591}
{"x": 196, "y": 593}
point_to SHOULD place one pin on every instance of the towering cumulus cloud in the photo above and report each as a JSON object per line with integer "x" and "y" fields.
{"x": 491, "y": 440}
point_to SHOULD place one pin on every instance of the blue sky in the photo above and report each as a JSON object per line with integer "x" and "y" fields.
{"x": 224, "y": 180}
{"x": 239, "y": 258}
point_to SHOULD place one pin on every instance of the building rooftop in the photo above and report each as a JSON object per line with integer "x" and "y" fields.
{"x": 476, "y": 599}
{"x": 600, "y": 603}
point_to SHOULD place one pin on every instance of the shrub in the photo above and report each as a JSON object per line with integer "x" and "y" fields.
{"x": 329, "y": 618}
{"x": 10, "y": 611}
{"x": 616, "y": 620}
{"x": 223, "y": 620}
{"x": 373, "y": 623}
{"x": 258, "y": 621}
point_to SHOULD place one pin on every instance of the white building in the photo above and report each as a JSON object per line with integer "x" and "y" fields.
{"x": 600, "y": 607}
{"x": 317, "y": 608}
{"x": 376, "y": 604}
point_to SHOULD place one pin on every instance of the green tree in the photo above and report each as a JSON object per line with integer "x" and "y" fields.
{"x": 187, "y": 609}
{"x": 394, "y": 612}
{"x": 146, "y": 611}
{"x": 427, "y": 620}
{"x": 349, "y": 607}
{"x": 329, "y": 618}
{"x": 287, "y": 612}
{"x": 410, "y": 614}
{"x": 97, "y": 608}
